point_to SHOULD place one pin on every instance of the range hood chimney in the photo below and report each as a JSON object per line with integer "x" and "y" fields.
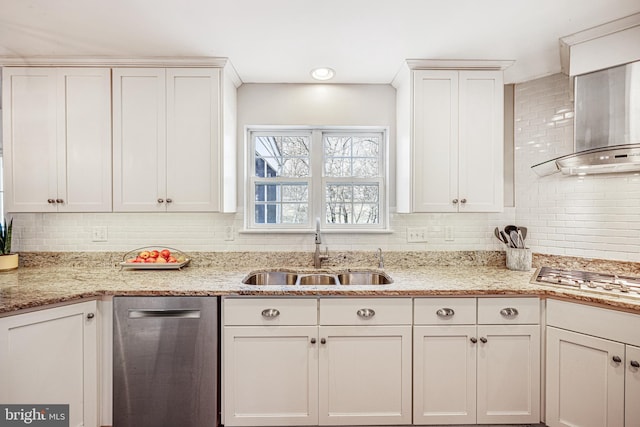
{"x": 606, "y": 124}
{"x": 603, "y": 63}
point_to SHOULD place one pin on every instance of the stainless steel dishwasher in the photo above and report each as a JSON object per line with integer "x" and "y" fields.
{"x": 165, "y": 362}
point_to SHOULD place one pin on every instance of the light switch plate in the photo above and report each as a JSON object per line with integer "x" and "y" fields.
{"x": 416, "y": 235}
{"x": 229, "y": 233}
{"x": 99, "y": 234}
{"x": 448, "y": 234}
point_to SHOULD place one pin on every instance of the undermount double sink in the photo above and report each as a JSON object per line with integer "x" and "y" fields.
{"x": 282, "y": 278}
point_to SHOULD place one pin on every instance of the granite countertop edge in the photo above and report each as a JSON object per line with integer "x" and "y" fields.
{"x": 33, "y": 288}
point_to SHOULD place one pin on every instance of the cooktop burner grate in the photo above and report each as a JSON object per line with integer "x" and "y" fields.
{"x": 589, "y": 281}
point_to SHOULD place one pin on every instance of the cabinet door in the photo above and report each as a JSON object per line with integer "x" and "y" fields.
{"x": 435, "y": 140}
{"x": 585, "y": 386}
{"x": 509, "y": 374}
{"x": 139, "y": 140}
{"x": 30, "y": 139}
{"x": 444, "y": 375}
{"x": 270, "y": 375}
{"x": 632, "y": 387}
{"x": 193, "y": 140}
{"x": 50, "y": 356}
{"x": 481, "y": 141}
{"x": 365, "y": 375}
{"x": 84, "y": 139}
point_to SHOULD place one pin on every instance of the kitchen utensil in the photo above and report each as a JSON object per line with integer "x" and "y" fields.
{"x": 515, "y": 239}
{"x": 524, "y": 232}
{"x": 499, "y": 236}
{"x": 509, "y": 228}
{"x": 521, "y": 238}
{"x": 505, "y": 238}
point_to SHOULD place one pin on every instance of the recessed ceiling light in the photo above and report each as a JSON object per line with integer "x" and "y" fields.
{"x": 322, "y": 73}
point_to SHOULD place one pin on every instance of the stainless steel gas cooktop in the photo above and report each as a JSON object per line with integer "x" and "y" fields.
{"x": 609, "y": 284}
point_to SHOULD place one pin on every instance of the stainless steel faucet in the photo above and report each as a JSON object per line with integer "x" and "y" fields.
{"x": 380, "y": 258}
{"x": 317, "y": 257}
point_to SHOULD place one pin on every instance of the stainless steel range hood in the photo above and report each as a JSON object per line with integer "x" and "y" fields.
{"x": 606, "y": 124}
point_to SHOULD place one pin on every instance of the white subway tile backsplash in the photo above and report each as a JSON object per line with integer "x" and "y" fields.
{"x": 592, "y": 216}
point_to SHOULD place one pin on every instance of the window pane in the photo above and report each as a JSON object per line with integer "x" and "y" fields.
{"x": 365, "y": 193}
{"x": 286, "y": 203}
{"x": 366, "y": 146}
{"x": 294, "y": 213}
{"x": 352, "y": 204}
{"x": 365, "y": 168}
{"x": 352, "y": 156}
{"x": 282, "y": 156}
{"x": 295, "y": 193}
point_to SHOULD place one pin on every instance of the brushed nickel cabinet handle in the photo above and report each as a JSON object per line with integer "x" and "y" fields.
{"x": 445, "y": 312}
{"x": 509, "y": 312}
{"x": 463, "y": 201}
{"x": 160, "y": 200}
{"x": 270, "y": 313}
{"x": 169, "y": 201}
{"x": 455, "y": 201}
{"x": 366, "y": 313}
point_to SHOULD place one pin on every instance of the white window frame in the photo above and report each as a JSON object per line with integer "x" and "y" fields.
{"x": 316, "y": 180}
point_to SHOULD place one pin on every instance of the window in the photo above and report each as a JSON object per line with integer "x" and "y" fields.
{"x": 297, "y": 175}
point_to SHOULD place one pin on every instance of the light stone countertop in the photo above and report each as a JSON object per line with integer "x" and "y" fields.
{"x": 37, "y": 286}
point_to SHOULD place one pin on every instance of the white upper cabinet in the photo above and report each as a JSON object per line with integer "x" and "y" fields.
{"x": 450, "y": 159}
{"x": 169, "y": 143}
{"x": 57, "y": 139}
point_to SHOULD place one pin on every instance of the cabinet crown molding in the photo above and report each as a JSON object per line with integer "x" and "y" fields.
{"x": 114, "y": 61}
{"x": 458, "y": 64}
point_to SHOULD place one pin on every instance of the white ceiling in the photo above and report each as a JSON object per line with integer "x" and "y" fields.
{"x": 276, "y": 41}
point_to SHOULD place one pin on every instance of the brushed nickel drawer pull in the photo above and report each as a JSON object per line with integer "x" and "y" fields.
{"x": 509, "y": 312}
{"x": 366, "y": 313}
{"x": 445, "y": 312}
{"x": 270, "y": 313}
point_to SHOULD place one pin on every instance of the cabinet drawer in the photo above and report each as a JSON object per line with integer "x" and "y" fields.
{"x": 365, "y": 311}
{"x": 444, "y": 311}
{"x": 270, "y": 311}
{"x": 503, "y": 311}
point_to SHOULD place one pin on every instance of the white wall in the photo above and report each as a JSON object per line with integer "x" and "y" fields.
{"x": 589, "y": 216}
{"x": 317, "y": 105}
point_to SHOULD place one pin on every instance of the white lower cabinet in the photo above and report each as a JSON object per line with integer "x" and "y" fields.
{"x": 467, "y": 373}
{"x": 632, "y": 387}
{"x": 585, "y": 387}
{"x": 271, "y": 375}
{"x": 50, "y": 357}
{"x": 285, "y": 365}
{"x": 592, "y": 371}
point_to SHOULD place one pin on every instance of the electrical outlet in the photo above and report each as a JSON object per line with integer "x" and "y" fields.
{"x": 448, "y": 234}
{"x": 99, "y": 234}
{"x": 416, "y": 235}
{"x": 228, "y": 233}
